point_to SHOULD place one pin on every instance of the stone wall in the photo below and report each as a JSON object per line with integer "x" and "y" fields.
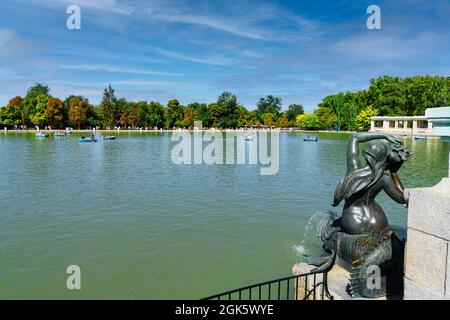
{"x": 427, "y": 263}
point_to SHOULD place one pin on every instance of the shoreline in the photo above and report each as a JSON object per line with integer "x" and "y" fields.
{"x": 172, "y": 130}
{"x": 31, "y": 131}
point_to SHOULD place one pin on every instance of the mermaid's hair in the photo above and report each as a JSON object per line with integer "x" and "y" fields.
{"x": 357, "y": 180}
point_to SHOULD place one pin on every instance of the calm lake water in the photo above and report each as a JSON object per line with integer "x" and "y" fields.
{"x": 141, "y": 227}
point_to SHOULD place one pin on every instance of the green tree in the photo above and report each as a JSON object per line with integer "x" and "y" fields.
{"x": 327, "y": 118}
{"x": 108, "y": 108}
{"x": 174, "y": 114}
{"x": 346, "y": 109}
{"x": 308, "y": 121}
{"x": 245, "y": 117}
{"x": 387, "y": 95}
{"x": 38, "y": 89}
{"x": 362, "y": 121}
{"x": 153, "y": 114}
{"x": 93, "y": 118}
{"x": 228, "y": 110}
{"x": 41, "y": 101}
{"x": 422, "y": 93}
{"x": 9, "y": 116}
{"x": 293, "y": 111}
{"x": 269, "y": 104}
{"x": 201, "y": 113}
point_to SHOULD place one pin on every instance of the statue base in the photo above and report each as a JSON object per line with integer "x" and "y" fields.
{"x": 338, "y": 279}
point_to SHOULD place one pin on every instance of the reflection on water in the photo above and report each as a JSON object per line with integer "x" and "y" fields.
{"x": 141, "y": 227}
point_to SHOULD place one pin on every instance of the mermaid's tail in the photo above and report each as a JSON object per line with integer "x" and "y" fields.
{"x": 385, "y": 260}
{"x": 327, "y": 264}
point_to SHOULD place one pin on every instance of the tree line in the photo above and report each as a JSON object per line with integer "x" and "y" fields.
{"x": 39, "y": 108}
{"x": 391, "y": 96}
{"x": 386, "y": 96}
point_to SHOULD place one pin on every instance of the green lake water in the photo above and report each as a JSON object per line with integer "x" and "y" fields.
{"x": 141, "y": 227}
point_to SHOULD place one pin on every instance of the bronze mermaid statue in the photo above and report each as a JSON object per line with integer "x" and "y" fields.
{"x": 361, "y": 237}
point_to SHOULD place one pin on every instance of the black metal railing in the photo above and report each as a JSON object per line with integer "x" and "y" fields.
{"x": 308, "y": 286}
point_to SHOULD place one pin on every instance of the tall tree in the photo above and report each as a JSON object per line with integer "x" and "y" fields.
{"x": 122, "y": 112}
{"x": 293, "y": 111}
{"x": 9, "y": 115}
{"x": 108, "y": 108}
{"x": 134, "y": 114}
{"x": 174, "y": 114}
{"x": 189, "y": 117}
{"x": 38, "y": 89}
{"x": 41, "y": 101}
{"x": 228, "y": 110}
{"x": 269, "y": 104}
{"x": 52, "y": 113}
{"x": 17, "y": 104}
{"x": 78, "y": 110}
{"x": 153, "y": 114}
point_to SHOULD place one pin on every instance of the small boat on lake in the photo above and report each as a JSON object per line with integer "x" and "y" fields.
{"x": 59, "y": 134}
{"x": 41, "y": 135}
{"x": 420, "y": 138}
{"x": 311, "y": 138}
{"x": 108, "y": 138}
{"x": 90, "y": 139}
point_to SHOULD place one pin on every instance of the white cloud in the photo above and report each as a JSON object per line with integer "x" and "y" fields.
{"x": 6, "y": 36}
{"x": 213, "y": 22}
{"x": 384, "y": 46}
{"x": 13, "y": 46}
{"x": 213, "y": 60}
{"x": 251, "y": 54}
{"x": 105, "y": 68}
{"x": 246, "y": 21}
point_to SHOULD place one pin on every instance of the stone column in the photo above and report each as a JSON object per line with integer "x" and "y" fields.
{"x": 372, "y": 125}
{"x": 427, "y": 260}
{"x": 414, "y": 126}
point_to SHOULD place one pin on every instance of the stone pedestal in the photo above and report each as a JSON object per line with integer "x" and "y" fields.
{"x": 305, "y": 286}
{"x": 427, "y": 261}
{"x": 338, "y": 279}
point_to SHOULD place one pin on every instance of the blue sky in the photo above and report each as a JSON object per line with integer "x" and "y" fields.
{"x": 193, "y": 50}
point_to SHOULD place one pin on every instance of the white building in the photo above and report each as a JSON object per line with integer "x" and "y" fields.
{"x": 440, "y": 117}
{"x": 435, "y": 122}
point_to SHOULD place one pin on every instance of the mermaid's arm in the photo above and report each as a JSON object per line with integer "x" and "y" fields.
{"x": 353, "y": 147}
{"x": 394, "y": 188}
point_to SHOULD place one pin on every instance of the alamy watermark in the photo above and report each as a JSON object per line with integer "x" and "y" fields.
{"x": 216, "y": 147}
{"x": 73, "y": 281}
{"x": 374, "y": 20}
{"x": 374, "y": 279}
{"x": 73, "y": 21}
